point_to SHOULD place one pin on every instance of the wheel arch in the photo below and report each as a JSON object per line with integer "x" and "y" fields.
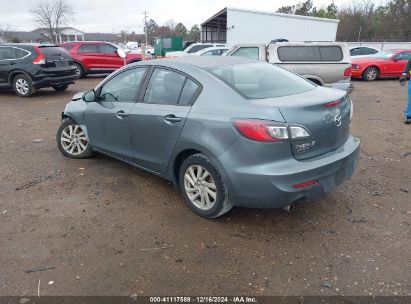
{"x": 178, "y": 161}
{"x": 15, "y": 73}
{"x": 372, "y": 66}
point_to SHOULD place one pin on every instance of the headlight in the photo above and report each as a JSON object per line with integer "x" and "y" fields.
{"x": 356, "y": 66}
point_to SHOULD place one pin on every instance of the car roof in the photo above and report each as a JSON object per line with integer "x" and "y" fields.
{"x": 206, "y": 61}
{"x": 28, "y": 44}
{"x": 86, "y": 42}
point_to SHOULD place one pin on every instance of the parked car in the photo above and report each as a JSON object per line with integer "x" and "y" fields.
{"x": 228, "y": 131}
{"x": 362, "y": 51}
{"x": 193, "y": 48}
{"x": 97, "y": 57}
{"x": 324, "y": 63}
{"x": 29, "y": 67}
{"x": 211, "y": 51}
{"x": 390, "y": 63}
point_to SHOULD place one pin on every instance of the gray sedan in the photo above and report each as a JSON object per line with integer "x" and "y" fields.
{"x": 228, "y": 131}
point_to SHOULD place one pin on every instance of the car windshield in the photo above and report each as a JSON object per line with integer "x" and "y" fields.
{"x": 385, "y": 54}
{"x": 261, "y": 80}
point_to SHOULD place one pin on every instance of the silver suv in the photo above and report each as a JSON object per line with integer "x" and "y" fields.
{"x": 326, "y": 64}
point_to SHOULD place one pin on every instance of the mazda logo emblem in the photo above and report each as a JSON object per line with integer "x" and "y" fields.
{"x": 338, "y": 120}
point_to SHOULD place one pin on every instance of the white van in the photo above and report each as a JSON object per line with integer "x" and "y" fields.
{"x": 324, "y": 63}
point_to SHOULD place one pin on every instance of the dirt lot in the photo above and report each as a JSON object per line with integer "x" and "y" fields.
{"x": 109, "y": 229}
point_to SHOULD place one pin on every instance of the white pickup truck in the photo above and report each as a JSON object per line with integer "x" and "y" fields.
{"x": 324, "y": 63}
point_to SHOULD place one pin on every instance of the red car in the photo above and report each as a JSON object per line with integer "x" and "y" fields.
{"x": 97, "y": 57}
{"x": 390, "y": 63}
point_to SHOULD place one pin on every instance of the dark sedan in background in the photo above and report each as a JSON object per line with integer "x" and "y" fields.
{"x": 228, "y": 131}
{"x": 29, "y": 67}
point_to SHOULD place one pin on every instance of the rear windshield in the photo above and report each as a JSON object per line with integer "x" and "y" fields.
{"x": 67, "y": 47}
{"x": 310, "y": 53}
{"x": 261, "y": 80}
{"x": 53, "y": 51}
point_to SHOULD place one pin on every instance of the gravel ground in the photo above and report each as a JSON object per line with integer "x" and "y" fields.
{"x": 109, "y": 229}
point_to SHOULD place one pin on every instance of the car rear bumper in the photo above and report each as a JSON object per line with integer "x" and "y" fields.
{"x": 44, "y": 82}
{"x": 271, "y": 185}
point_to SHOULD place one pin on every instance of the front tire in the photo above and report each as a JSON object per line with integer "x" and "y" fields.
{"x": 23, "y": 86}
{"x": 203, "y": 188}
{"x": 371, "y": 74}
{"x": 60, "y": 87}
{"x": 72, "y": 141}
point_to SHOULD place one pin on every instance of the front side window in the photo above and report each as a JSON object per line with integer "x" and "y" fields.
{"x": 261, "y": 80}
{"x": 123, "y": 87}
{"x": 367, "y": 51}
{"x": 89, "y": 48}
{"x": 403, "y": 56}
{"x": 247, "y": 52}
{"x": 199, "y": 47}
{"x": 165, "y": 87}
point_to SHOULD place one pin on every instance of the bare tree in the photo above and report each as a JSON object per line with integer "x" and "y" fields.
{"x": 51, "y": 15}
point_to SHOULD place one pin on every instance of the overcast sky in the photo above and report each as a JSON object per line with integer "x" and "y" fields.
{"x": 115, "y": 15}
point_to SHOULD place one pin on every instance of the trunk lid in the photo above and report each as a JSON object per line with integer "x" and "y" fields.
{"x": 55, "y": 56}
{"x": 325, "y": 113}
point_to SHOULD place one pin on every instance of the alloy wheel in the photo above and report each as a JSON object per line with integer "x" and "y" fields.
{"x": 22, "y": 86}
{"x": 200, "y": 187}
{"x": 73, "y": 140}
{"x": 372, "y": 74}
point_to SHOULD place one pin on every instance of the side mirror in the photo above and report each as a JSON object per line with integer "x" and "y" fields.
{"x": 121, "y": 53}
{"x": 89, "y": 96}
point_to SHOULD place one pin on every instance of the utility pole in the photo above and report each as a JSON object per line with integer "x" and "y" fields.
{"x": 145, "y": 26}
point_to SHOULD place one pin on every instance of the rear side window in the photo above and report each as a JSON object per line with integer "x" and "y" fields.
{"x": 107, "y": 48}
{"x": 165, "y": 87}
{"x": 89, "y": 48}
{"x": 261, "y": 80}
{"x": 189, "y": 92}
{"x": 247, "y": 52}
{"x": 52, "y": 51}
{"x": 67, "y": 47}
{"x": 7, "y": 53}
{"x": 310, "y": 53}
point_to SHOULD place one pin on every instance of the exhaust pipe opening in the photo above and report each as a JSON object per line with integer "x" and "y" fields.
{"x": 289, "y": 208}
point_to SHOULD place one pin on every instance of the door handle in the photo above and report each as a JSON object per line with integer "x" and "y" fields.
{"x": 172, "y": 118}
{"x": 121, "y": 114}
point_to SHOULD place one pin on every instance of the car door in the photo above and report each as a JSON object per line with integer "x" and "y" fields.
{"x": 400, "y": 61}
{"x": 158, "y": 118}
{"x": 90, "y": 56}
{"x": 7, "y": 61}
{"x": 111, "y": 58}
{"x": 107, "y": 119}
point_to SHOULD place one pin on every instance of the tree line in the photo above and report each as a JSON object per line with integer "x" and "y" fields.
{"x": 362, "y": 20}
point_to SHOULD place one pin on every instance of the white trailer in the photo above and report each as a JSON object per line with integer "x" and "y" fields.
{"x": 234, "y": 26}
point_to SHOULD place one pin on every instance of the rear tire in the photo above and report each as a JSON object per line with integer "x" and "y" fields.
{"x": 371, "y": 74}
{"x": 203, "y": 188}
{"x": 72, "y": 141}
{"x": 60, "y": 87}
{"x": 23, "y": 86}
{"x": 79, "y": 70}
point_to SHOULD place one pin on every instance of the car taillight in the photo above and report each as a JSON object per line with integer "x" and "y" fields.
{"x": 333, "y": 103}
{"x": 40, "y": 59}
{"x": 306, "y": 184}
{"x": 261, "y": 130}
{"x": 347, "y": 72}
